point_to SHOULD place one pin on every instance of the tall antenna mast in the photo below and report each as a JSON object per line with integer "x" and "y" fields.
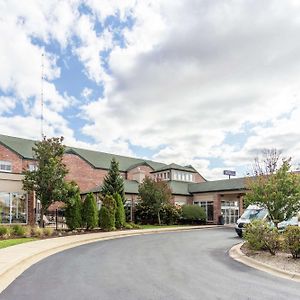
{"x": 42, "y": 97}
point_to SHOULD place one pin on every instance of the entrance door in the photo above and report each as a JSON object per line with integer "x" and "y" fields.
{"x": 230, "y": 211}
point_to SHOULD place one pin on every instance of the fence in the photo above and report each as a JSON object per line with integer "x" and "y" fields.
{"x": 55, "y": 219}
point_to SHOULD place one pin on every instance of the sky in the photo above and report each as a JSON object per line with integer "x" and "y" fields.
{"x": 200, "y": 82}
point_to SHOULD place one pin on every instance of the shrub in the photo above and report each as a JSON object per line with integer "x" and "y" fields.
{"x": 107, "y": 219}
{"x": 37, "y": 232}
{"x": 48, "y": 231}
{"x": 254, "y": 233}
{"x": 170, "y": 214}
{"x": 4, "y": 231}
{"x": 19, "y": 230}
{"x": 193, "y": 214}
{"x": 90, "y": 212}
{"x": 120, "y": 212}
{"x": 260, "y": 236}
{"x": 73, "y": 212}
{"x": 292, "y": 240}
{"x": 128, "y": 226}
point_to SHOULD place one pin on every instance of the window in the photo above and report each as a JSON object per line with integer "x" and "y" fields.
{"x": 209, "y": 209}
{"x": 13, "y": 208}
{"x": 5, "y": 166}
{"x": 32, "y": 167}
{"x": 165, "y": 175}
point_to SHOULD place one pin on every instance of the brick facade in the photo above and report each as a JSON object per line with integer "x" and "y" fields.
{"x": 85, "y": 175}
{"x": 7, "y": 155}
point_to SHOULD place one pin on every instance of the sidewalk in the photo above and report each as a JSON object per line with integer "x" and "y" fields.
{"x": 15, "y": 260}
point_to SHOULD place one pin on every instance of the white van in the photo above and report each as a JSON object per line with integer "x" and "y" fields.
{"x": 252, "y": 212}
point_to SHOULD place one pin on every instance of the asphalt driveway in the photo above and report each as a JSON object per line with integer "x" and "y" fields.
{"x": 181, "y": 265}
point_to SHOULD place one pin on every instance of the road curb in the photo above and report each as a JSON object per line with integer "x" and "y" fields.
{"x": 14, "y": 269}
{"x": 236, "y": 254}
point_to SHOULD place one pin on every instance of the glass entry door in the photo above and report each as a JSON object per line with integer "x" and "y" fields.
{"x": 230, "y": 211}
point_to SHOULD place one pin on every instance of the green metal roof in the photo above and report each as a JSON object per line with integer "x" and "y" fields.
{"x": 179, "y": 187}
{"x": 175, "y": 167}
{"x": 218, "y": 185}
{"x": 97, "y": 159}
{"x": 20, "y": 146}
{"x": 130, "y": 187}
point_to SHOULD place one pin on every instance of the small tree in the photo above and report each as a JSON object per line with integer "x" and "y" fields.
{"x": 48, "y": 179}
{"x": 73, "y": 206}
{"x": 120, "y": 211}
{"x": 90, "y": 212}
{"x": 154, "y": 194}
{"x": 107, "y": 212}
{"x": 278, "y": 190}
{"x": 113, "y": 181}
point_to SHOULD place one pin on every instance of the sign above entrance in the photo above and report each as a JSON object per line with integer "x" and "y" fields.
{"x": 229, "y": 173}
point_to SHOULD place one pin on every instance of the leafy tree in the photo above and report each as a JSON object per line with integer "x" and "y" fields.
{"x": 90, "y": 212}
{"x": 73, "y": 206}
{"x": 276, "y": 189}
{"x": 113, "y": 181}
{"x": 47, "y": 181}
{"x": 153, "y": 195}
{"x": 107, "y": 212}
{"x": 120, "y": 211}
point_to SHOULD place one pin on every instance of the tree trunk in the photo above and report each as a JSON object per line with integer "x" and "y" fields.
{"x": 158, "y": 216}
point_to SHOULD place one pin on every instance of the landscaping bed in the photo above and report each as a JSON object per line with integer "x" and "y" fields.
{"x": 283, "y": 261}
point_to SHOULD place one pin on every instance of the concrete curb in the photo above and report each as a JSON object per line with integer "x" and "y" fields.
{"x": 236, "y": 254}
{"x": 16, "y": 259}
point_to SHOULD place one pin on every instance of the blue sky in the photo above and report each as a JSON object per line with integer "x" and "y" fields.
{"x": 205, "y": 83}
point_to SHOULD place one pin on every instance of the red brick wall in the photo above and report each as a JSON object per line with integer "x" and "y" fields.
{"x": 145, "y": 169}
{"x": 86, "y": 176}
{"x": 8, "y": 155}
{"x": 198, "y": 178}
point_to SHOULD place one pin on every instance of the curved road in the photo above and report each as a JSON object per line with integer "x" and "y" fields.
{"x": 181, "y": 265}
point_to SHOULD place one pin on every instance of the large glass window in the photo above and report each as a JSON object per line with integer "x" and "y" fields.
{"x": 13, "y": 208}
{"x": 208, "y": 207}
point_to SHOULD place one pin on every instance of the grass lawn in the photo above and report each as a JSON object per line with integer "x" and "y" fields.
{"x": 12, "y": 242}
{"x": 160, "y": 226}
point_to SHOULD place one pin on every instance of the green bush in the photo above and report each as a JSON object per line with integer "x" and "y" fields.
{"x": 107, "y": 220}
{"x": 254, "y": 233}
{"x": 193, "y": 214}
{"x": 292, "y": 240}
{"x": 90, "y": 212}
{"x": 73, "y": 212}
{"x": 19, "y": 230}
{"x": 48, "y": 231}
{"x": 120, "y": 212}
{"x": 170, "y": 214}
{"x": 259, "y": 235}
{"x": 4, "y": 231}
{"x": 37, "y": 232}
{"x": 128, "y": 226}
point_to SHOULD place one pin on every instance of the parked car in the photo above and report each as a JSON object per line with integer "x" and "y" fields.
{"x": 252, "y": 212}
{"x": 291, "y": 222}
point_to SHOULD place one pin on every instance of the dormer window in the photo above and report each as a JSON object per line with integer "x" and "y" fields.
{"x": 5, "y": 166}
{"x": 32, "y": 167}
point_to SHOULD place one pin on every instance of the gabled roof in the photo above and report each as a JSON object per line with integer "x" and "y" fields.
{"x": 218, "y": 185}
{"x": 97, "y": 159}
{"x": 142, "y": 163}
{"x": 175, "y": 167}
{"x": 20, "y": 146}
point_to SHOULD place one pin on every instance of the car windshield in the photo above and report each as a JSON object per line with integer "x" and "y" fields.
{"x": 254, "y": 214}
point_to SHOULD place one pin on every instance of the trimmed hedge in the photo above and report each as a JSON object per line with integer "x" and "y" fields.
{"x": 90, "y": 212}
{"x": 193, "y": 214}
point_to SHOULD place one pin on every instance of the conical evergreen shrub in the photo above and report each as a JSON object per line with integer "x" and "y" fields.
{"x": 90, "y": 212}
{"x": 120, "y": 211}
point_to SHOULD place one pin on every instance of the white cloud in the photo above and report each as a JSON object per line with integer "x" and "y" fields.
{"x": 197, "y": 72}
{"x": 7, "y": 104}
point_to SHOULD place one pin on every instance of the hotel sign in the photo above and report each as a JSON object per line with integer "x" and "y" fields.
{"x": 229, "y": 173}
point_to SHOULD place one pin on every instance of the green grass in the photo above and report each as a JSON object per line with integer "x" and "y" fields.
{"x": 159, "y": 226}
{"x": 13, "y": 242}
